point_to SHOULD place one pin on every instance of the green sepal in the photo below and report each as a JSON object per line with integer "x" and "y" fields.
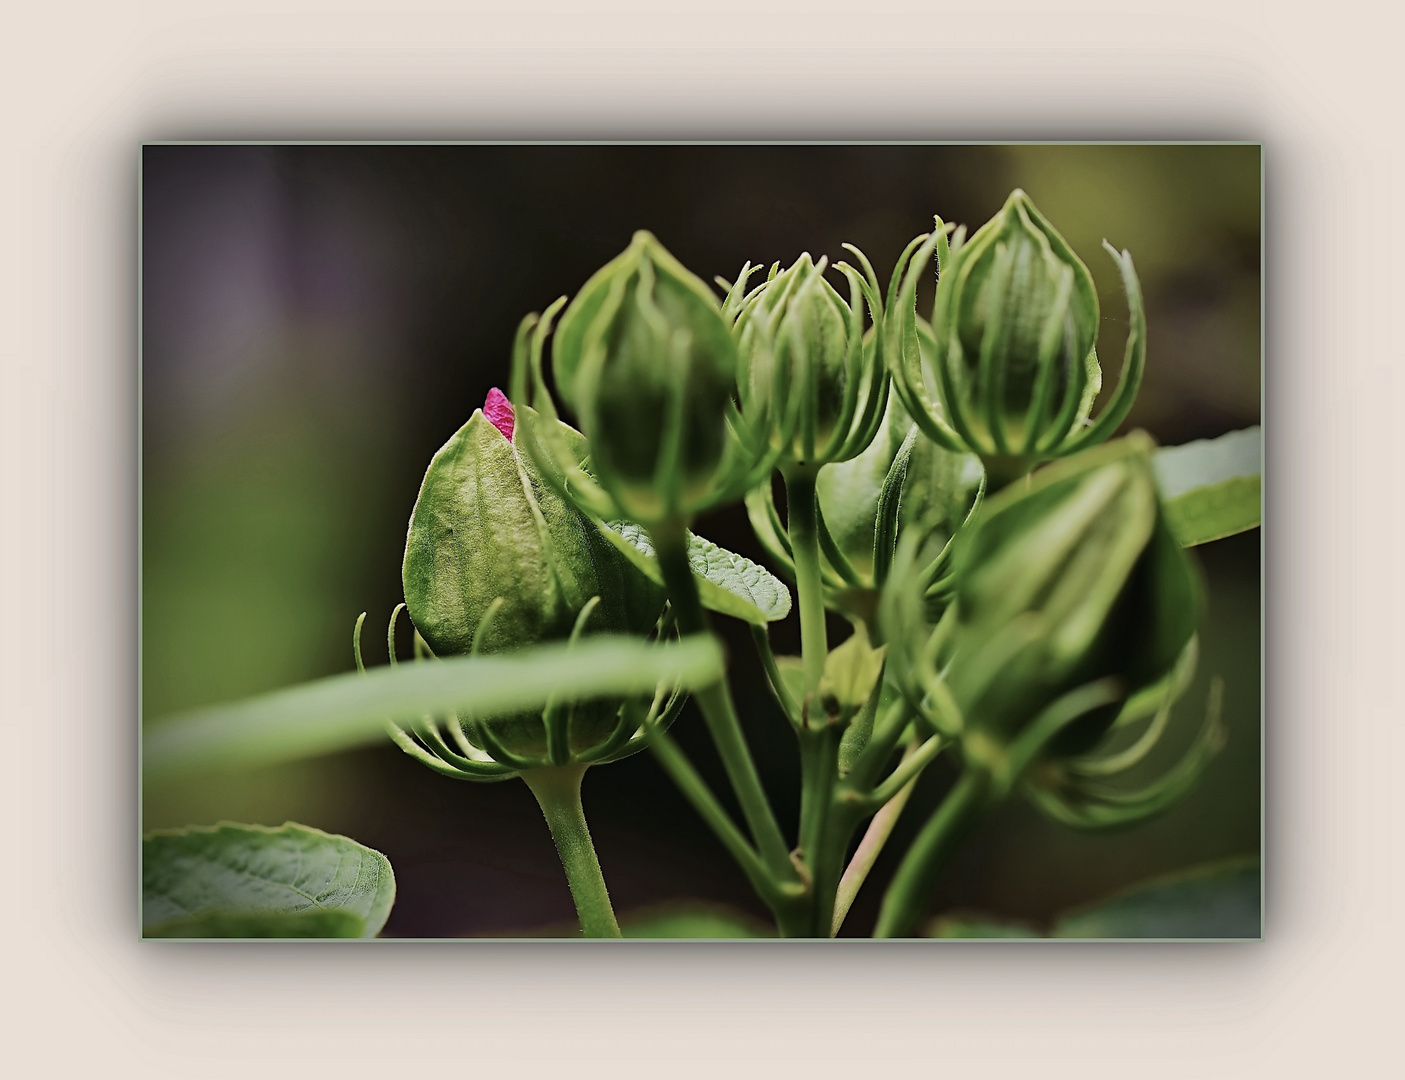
{"x": 1007, "y": 367}
{"x": 811, "y": 383}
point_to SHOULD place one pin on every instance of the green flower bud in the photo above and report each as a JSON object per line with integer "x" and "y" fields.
{"x": 495, "y": 559}
{"x": 1080, "y": 576}
{"x": 1007, "y": 368}
{"x": 809, "y": 387}
{"x": 644, "y": 357}
{"x": 1069, "y": 581}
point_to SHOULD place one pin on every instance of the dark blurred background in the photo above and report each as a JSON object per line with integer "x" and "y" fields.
{"x": 318, "y": 320}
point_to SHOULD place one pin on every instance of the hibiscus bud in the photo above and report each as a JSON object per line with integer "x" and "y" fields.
{"x": 1007, "y": 367}
{"x": 1072, "y": 579}
{"x": 644, "y": 357}
{"x": 1069, "y": 588}
{"x": 805, "y": 372}
{"x": 485, "y": 527}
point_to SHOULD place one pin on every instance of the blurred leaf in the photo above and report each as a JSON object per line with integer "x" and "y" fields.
{"x": 978, "y": 926}
{"x": 1220, "y": 901}
{"x": 852, "y": 670}
{"x": 792, "y": 673}
{"x": 1212, "y": 488}
{"x": 728, "y": 583}
{"x": 254, "y": 881}
{"x": 349, "y": 710}
{"x": 690, "y": 921}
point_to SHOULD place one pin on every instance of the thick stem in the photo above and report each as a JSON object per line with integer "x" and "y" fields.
{"x": 912, "y": 886}
{"x": 558, "y": 792}
{"x": 803, "y": 525}
{"x": 823, "y": 837}
{"x": 715, "y": 701}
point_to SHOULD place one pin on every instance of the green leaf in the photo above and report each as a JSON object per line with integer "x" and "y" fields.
{"x": 728, "y": 583}
{"x": 1219, "y": 901}
{"x": 1212, "y": 488}
{"x": 254, "y": 881}
{"x": 343, "y": 711}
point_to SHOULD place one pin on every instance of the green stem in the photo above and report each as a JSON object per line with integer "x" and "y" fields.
{"x": 823, "y": 836}
{"x": 912, "y": 886}
{"x": 715, "y": 701}
{"x": 803, "y": 526}
{"x": 558, "y": 792}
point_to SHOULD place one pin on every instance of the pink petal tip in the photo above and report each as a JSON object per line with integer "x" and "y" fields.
{"x": 498, "y": 410}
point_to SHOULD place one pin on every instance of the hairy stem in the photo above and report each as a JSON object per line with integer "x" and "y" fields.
{"x": 558, "y": 792}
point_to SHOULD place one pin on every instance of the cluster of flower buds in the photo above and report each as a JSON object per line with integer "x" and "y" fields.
{"x": 1007, "y": 367}
{"x": 495, "y": 560}
{"x": 1074, "y": 607}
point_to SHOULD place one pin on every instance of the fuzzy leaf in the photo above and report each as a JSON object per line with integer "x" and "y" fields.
{"x": 728, "y": 583}
{"x": 1212, "y": 488}
{"x": 254, "y": 881}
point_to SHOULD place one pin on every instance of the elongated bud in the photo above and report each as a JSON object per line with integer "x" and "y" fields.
{"x": 809, "y": 388}
{"x": 644, "y": 357}
{"x": 1007, "y": 368}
